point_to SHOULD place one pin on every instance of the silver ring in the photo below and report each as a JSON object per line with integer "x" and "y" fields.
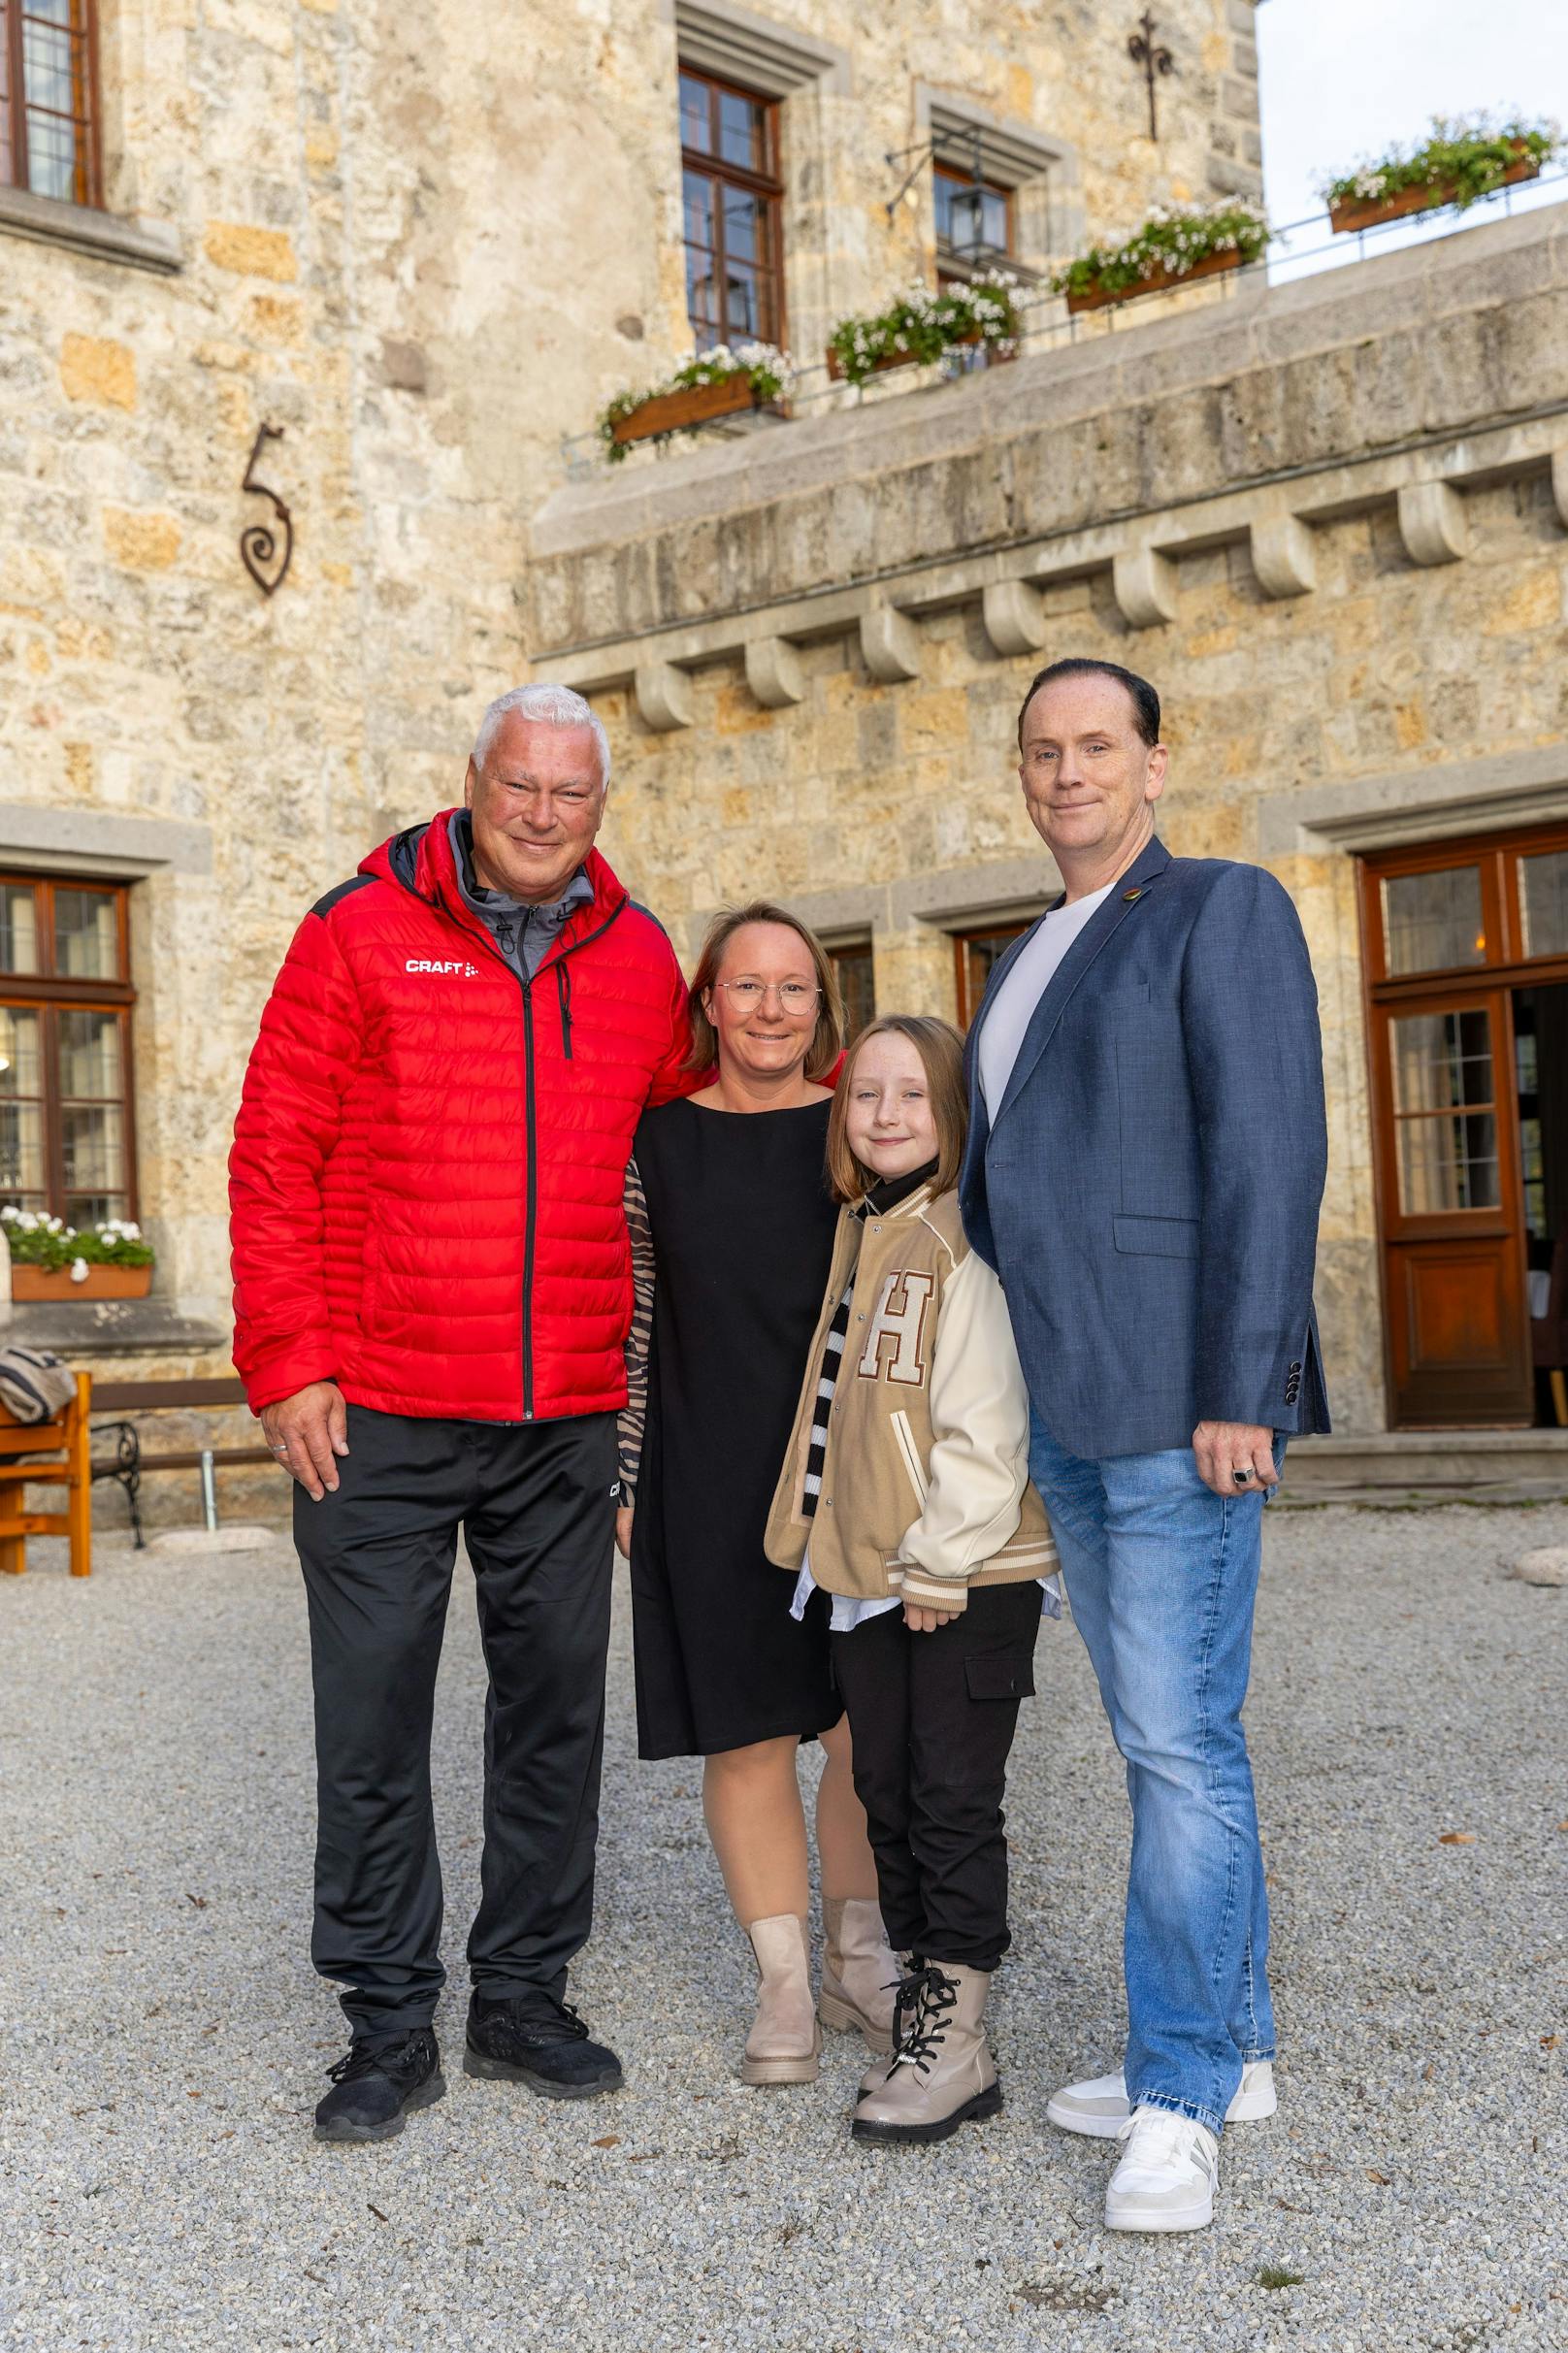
{"x": 281, "y": 1449}
{"x": 1241, "y": 1476}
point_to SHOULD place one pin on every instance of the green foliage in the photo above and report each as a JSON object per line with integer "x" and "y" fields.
{"x": 1170, "y": 244}
{"x": 1461, "y": 161}
{"x": 51, "y": 1244}
{"x": 1272, "y": 2275}
{"x": 921, "y": 324}
{"x": 768, "y": 370}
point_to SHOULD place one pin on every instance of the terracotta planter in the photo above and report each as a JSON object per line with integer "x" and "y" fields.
{"x": 1364, "y": 212}
{"x": 1097, "y": 298}
{"x": 697, "y": 404}
{"x": 101, "y": 1283}
{"x": 901, "y": 359}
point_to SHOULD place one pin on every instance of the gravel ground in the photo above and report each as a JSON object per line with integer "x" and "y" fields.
{"x": 164, "y": 2037}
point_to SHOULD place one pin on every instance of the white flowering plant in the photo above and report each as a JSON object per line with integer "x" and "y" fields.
{"x": 38, "y": 1240}
{"x": 769, "y": 371}
{"x": 927, "y": 322}
{"x": 1462, "y": 158}
{"x": 1170, "y": 244}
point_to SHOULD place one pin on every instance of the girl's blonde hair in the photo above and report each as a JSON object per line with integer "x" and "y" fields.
{"x": 942, "y": 1055}
{"x": 827, "y": 1038}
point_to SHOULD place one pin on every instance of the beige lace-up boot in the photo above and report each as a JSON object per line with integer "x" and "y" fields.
{"x": 859, "y": 1973}
{"x": 785, "y": 2041}
{"x": 943, "y": 2071}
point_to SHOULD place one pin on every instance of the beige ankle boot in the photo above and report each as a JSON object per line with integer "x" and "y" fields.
{"x": 859, "y": 1973}
{"x": 784, "y": 2044}
{"x": 943, "y": 2070}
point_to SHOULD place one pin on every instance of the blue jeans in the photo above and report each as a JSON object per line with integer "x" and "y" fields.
{"x": 1163, "y": 1573}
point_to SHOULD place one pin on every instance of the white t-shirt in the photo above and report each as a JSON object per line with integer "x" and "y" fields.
{"x": 1007, "y": 1020}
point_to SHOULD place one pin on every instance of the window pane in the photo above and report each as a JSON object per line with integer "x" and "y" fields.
{"x": 694, "y": 131}
{"x": 982, "y": 951}
{"x": 1433, "y": 921}
{"x": 1446, "y": 1165}
{"x": 1544, "y": 900}
{"x": 742, "y": 226}
{"x": 90, "y": 1064}
{"x": 743, "y": 306}
{"x": 743, "y": 131}
{"x": 86, "y": 934}
{"x": 21, "y": 1122}
{"x": 46, "y": 52}
{"x": 855, "y": 972}
{"x": 697, "y": 190}
{"x": 91, "y": 1147}
{"x": 1441, "y": 1058}
{"x": 18, "y": 927}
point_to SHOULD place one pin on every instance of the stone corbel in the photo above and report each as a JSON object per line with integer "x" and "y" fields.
{"x": 1013, "y": 614}
{"x": 1432, "y": 523}
{"x": 1283, "y": 556}
{"x": 1144, "y": 585}
{"x": 774, "y": 673}
{"x": 890, "y": 644}
{"x": 1559, "y": 483}
{"x": 664, "y": 695}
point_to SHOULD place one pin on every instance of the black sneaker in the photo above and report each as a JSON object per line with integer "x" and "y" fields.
{"x": 376, "y": 2084}
{"x": 534, "y": 2038}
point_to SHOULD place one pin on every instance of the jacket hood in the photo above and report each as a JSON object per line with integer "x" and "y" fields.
{"x": 421, "y": 859}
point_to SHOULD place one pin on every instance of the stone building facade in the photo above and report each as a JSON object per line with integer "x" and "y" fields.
{"x": 425, "y": 250}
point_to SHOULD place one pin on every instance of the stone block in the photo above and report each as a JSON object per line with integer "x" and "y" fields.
{"x": 890, "y": 644}
{"x": 774, "y": 673}
{"x": 98, "y": 371}
{"x": 142, "y": 543}
{"x": 1283, "y": 558}
{"x": 1144, "y": 584}
{"x": 666, "y": 698}
{"x": 1432, "y": 523}
{"x": 1013, "y": 615}
{"x": 249, "y": 252}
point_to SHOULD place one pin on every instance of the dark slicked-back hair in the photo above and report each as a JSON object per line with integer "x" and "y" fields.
{"x": 1145, "y": 702}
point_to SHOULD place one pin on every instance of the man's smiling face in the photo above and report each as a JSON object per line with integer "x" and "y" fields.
{"x": 1090, "y": 780}
{"x": 537, "y": 805}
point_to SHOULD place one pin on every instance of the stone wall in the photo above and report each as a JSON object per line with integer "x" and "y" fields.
{"x": 1329, "y": 520}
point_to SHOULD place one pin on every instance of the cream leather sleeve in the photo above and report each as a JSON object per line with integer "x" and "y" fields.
{"x": 979, "y": 1458}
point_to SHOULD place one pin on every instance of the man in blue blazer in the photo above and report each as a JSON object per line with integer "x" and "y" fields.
{"x": 1145, "y": 1164}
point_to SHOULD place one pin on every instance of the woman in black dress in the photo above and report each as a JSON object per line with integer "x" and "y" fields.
{"x": 731, "y": 1228}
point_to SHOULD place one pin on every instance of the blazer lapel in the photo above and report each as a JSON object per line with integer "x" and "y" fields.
{"x": 1053, "y": 1001}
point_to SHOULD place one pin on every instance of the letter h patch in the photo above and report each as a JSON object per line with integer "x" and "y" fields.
{"x": 899, "y": 1318}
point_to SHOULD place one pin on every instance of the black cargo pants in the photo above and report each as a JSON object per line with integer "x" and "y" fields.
{"x": 537, "y": 1502}
{"x": 932, "y": 1719}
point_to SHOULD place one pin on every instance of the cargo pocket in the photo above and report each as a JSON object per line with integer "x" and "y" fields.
{"x": 1001, "y": 1675}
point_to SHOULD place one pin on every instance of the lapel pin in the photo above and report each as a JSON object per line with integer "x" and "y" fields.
{"x": 1130, "y": 896}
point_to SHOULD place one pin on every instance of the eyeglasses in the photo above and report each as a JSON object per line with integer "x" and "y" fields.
{"x": 795, "y": 996}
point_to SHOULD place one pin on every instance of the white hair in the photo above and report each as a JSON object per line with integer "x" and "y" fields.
{"x": 545, "y": 706}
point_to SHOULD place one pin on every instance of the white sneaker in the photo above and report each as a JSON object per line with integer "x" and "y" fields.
{"x": 1101, "y": 2109}
{"x": 1165, "y": 2180}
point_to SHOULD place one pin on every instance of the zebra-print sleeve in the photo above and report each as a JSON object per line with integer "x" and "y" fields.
{"x": 634, "y": 1412}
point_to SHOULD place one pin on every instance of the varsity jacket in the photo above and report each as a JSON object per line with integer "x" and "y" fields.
{"x": 925, "y": 1485}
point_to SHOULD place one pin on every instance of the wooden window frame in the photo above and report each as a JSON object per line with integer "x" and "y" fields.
{"x": 88, "y": 169}
{"x": 767, "y": 185}
{"x": 1006, "y": 931}
{"x": 51, "y": 994}
{"x": 861, "y": 950}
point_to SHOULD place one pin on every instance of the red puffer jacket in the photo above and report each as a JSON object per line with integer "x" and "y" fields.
{"x": 428, "y": 1162}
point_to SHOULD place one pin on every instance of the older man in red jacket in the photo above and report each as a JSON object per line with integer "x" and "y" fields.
{"x": 432, "y": 1289}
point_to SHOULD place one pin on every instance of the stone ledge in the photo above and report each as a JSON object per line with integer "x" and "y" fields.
{"x": 1425, "y": 1459}
{"x": 82, "y": 1330}
{"x": 140, "y": 245}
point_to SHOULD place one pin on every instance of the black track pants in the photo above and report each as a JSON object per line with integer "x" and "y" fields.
{"x": 535, "y": 1501}
{"x": 932, "y": 1719}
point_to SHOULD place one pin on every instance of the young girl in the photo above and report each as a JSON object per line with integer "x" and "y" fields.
{"x": 905, "y": 1496}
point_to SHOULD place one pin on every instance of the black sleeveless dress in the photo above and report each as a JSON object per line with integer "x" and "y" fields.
{"x": 742, "y": 1227}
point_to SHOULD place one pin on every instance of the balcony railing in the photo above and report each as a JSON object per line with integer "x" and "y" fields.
{"x": 1302, "y": 248}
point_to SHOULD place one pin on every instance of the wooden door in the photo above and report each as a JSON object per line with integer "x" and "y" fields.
{"x": 1453, "y": 1212}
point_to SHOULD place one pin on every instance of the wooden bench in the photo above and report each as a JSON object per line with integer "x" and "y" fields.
{"x": 131, "y": 1462}
{"x": 57, "y": 1454}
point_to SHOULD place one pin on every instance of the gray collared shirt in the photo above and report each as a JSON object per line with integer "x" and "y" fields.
{"x": 524, "y": 933}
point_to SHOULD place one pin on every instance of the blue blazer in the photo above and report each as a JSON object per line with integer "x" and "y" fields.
{"x": 1148, "y": 1191}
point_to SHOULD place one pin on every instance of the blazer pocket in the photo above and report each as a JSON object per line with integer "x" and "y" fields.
{"x": 1157, "y": 1237}
{"x": 909, "y": 1453}
{"x": 1001, "y": 1675}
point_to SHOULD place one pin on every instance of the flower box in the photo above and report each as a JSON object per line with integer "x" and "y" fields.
{"x": 98, "y": 1283}
{"x": 1356, "y": 212}
{"x": 1161, "y": 281}
{"x": 680, "y": 411}
{"x": 903, "y": 359}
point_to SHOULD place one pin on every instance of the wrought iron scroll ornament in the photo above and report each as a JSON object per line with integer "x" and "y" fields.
{"x": 1153, "y": 57}
{"x": 265, "y": 554}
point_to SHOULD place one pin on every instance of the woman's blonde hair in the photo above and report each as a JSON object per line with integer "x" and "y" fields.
{"x": 828, "y": 1039}
{"x": 942, "y": 1055}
